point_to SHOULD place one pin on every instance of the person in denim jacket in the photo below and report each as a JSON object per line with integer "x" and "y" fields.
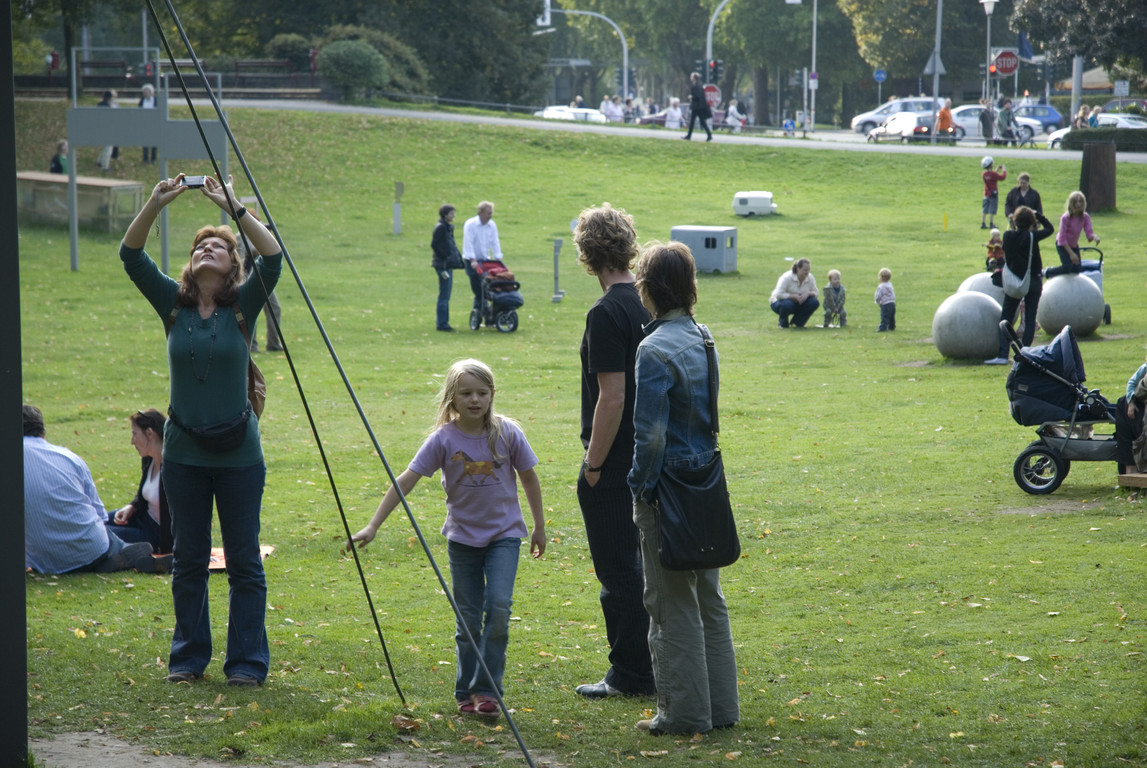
{"x": 694, "y": 663}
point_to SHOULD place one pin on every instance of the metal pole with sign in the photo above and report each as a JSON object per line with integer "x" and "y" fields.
{"x": 879, "y": 76}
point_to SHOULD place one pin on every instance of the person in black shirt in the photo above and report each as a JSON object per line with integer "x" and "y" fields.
{"x": 607, "y": 248}
{"x": 446, "y": 258}
{"x": 698, "y": 108}
{"x": 1022, "y": 194}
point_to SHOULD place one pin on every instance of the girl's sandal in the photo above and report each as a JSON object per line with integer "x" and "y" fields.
{"x": 486, "y": 706}
{"x": 466, "y": 707}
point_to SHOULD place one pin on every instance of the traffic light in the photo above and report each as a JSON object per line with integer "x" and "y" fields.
{"x": 699, "y": 66}
{"x": 983, "y": 69}
{"x": 715, "y": 66}
{"x": 992, "y": 70}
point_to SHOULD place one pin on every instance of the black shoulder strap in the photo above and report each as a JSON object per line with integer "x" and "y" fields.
{"x": 169, "y": 321}
{"x": 711, "y": 354}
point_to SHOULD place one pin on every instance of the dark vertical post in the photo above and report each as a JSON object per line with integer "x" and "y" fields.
{"x": 13, "y": 640}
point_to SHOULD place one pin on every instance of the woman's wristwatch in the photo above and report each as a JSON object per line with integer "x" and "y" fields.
{"x": 588, "y": 468}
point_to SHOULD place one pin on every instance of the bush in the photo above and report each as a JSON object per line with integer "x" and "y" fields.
{"x": 292, "y": 47}
{"x": 1126, "y": 139}
{"x": 352, "y": 66}
{"x": 407, "y": 73}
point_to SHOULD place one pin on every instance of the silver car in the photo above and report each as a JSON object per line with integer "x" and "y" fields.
{"x": 866, "y": 121}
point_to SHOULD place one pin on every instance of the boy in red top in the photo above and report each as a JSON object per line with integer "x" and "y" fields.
{"x": 992, "y": 178}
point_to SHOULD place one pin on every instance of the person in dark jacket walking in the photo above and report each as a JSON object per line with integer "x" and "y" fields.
{"x": 446, "y": 258}
{"x": 698, "y": 108}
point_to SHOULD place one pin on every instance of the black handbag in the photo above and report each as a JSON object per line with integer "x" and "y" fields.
{"x": 694, "y": 515}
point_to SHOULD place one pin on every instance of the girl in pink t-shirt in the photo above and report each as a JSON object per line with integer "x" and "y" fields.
{"x": 478, "y": 453}
{"x": 1072, "y": 223}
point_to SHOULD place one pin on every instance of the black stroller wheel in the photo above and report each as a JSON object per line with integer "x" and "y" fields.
{"x": 475, "y": 319}
{"x": 1107, "y": 314}
{"x": 507, "y": 321}
{"x": 1039, "y": 470}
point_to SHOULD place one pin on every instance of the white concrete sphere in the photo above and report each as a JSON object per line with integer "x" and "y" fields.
{"x": 982, "y": 282}
{"x": 1071, "y": 299}
{"x": 967, "y": 326}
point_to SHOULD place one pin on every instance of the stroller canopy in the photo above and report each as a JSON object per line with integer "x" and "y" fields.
{"x": 1046, "y": 383}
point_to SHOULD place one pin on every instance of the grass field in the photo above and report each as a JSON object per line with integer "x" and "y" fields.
{"x": 900, "y": 601}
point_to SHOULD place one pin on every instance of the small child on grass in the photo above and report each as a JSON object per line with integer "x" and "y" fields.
{"x": 834, "y": 296}
{"x": 885, "y": 297}
{"x": 478, "y": 452}
{"x": 992, "y": 178}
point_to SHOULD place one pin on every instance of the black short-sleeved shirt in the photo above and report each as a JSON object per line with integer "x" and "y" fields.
{"x": 612, "y": 333}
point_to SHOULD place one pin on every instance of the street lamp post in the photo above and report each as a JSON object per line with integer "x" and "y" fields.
{"x": 814, "y": 77}
{"x": 989, "y": 6}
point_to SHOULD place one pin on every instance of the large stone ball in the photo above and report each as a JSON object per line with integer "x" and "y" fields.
{"x": 1071, "y": 299}
{"x": 967, "y": 326}
{"x": 982, "y": 282}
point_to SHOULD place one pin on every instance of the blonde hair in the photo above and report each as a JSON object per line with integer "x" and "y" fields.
{"x": 885, "y": 275}
{"x": 493, "y": 424}
{"x": 1076, "y": 204}
{"x": 833, "y": 273}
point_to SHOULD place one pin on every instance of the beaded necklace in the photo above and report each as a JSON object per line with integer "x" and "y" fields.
{"x": 210, "y": 351}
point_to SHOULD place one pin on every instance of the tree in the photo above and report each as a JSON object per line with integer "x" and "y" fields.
{"x": 1109, "y": 32}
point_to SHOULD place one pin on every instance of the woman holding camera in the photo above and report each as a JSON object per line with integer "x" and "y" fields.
{"x": 212, "y": 454}
{"x": 694, "y": 664}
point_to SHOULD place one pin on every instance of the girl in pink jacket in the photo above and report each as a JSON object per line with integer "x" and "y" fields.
{"x": 1072, "y": 223}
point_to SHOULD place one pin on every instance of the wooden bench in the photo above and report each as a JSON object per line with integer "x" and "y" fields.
{"x": 260, "y": 67}
{"x": 107, "y": 204}
{"x": 108, "y": 64}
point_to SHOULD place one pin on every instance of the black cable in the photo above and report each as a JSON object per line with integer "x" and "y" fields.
{"x": 342, "y": 373}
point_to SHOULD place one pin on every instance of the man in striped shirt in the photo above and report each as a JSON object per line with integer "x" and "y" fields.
{"x": 63, "y": 516}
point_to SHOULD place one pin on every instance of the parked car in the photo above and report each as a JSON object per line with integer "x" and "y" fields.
{"x": 1048, "y": 116}
{"x": 580, "y": 114}
{"x": 658, "y": 118}
{"x": 966, "y": 118}
{"x": 903, "y": 127}
{"x": 866, "y": 121}
{"x": 1106, "y": 120}
{"x": 1121, "y": 105}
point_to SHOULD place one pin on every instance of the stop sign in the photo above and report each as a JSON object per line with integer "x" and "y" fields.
{"x": 1007, "y": 63}
{"x": 712, "y": 96}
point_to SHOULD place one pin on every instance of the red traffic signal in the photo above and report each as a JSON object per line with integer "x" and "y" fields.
{"x": 991, "y": 69}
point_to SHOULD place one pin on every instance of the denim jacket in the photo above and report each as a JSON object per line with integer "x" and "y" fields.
{"x": 671, "y": 417}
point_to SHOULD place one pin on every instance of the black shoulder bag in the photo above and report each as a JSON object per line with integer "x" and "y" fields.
{"x": 694, "y": 516}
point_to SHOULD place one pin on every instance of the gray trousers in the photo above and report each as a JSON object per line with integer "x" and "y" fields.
{"x": 690, "y": 640}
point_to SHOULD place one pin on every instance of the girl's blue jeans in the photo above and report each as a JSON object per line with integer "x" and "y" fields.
{"x": 483, "y": 583}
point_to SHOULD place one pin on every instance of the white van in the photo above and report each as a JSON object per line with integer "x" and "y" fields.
{"x": 866, "y": 121}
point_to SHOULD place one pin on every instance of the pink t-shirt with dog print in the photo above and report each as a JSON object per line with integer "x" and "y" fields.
{"x": 481, "y": 493}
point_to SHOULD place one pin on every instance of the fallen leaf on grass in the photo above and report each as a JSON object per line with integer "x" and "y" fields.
{"x": 654, "y": 753}
{"x": 404, "y": 723}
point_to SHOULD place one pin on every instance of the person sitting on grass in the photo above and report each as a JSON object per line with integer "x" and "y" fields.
{"x": 64, "y": 519}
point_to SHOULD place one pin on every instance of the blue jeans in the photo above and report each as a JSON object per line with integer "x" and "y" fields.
{"x": 237, "y": 492}
{"x": 444, "y": 285}
{"x": 483, "y": 583}
{"x": 800, "y": 313}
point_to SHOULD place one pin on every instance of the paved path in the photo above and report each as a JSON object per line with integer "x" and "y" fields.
{"x": 838, "y": 140}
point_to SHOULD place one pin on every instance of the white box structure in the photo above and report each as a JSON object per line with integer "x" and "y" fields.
{"x": 714, "y": 248}
{"x": 750, "y": 203}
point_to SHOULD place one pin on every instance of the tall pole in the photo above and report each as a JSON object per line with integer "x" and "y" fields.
{"x": 709, "y": 36}
{"x": 989, "y": 6}
{"x": 936, "y": 72}
{"x": 624, "y": 45}
{"x": 815, "y": 75}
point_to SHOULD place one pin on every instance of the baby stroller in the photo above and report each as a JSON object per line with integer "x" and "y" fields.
{"x": 1045, "y": 387}
{"x": 501, "y": 298}
{"x": 1092, "y": 268}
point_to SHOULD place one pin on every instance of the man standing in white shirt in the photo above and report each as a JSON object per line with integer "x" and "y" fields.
{"x": 480, "y": 243}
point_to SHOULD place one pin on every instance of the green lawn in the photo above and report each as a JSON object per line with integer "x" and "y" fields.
{"x": 900, "y": 601}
